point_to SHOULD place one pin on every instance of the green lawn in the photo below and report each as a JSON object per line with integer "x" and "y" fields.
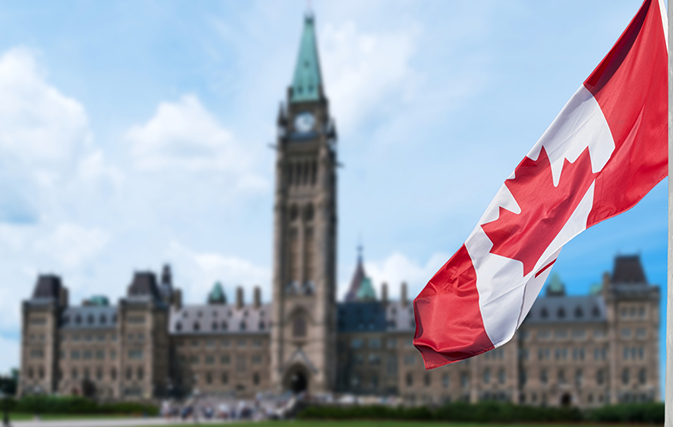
{"x": 393, "y": 424}
{"x": 29, "y": 417}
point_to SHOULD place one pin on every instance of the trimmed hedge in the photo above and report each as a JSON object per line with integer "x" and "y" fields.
{"x": 78, "y": 405}
{"x": 650, "y": 413}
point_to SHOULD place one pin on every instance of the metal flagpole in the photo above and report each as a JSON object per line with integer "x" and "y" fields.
{"x": 669, "y": 297}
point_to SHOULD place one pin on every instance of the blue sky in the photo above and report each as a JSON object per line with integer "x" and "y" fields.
{"x": 136, "y": 133}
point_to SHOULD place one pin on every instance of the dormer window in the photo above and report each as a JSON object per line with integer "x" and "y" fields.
{"x": 544, "y": 313}
{"x": 78, "y": 319}
{"x": 224, "y": 326}
{"x": 102, "y": 320}
{"x": 89, "y": 319}
{"x": 561, "y": 313}
{"x": 579, "y": 313}
{"x": 243, "y": 326}
{"x": 596, "y": 312}
{"x": 214, "y": 326}
{"x": 197, "y": 326}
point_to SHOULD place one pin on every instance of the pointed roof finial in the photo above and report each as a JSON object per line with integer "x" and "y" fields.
{"x": 307, "y": 78}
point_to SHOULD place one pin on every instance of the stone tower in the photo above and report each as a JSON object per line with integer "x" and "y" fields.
{"x": 303, "y": 334}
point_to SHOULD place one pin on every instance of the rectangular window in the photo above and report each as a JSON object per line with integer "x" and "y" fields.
{"x": 375, "y": 343}
{"x": 374, "y": 359}
{"x": 409, "y": 343}
{"x": 226, "y": 343}
{"x": 75, "y": 337}
{"x": 257, "y": 343}
{"x": 543, "y": 334}
{"x": 579, "y": 334}
{"x": 599, "y": 333}
{"x": 626, "y": 332}
{"x": 74, "y": 355}
{"x": 135, "y": 354}
{"x": 209, "y": 359}
{"x": 36, "y": 354}
{"x": 391, "y": 365}
{"x": 195, "y": 343}
{"x": 641, "y": 333}
{"x": 240, "y": 363}
{"x": 359, "y": 359}
{"x": 113, "y": 354}
{"x": 225, "y": 359}
{"x": 391, "y": 343}
{"x": 194, "y": 360}
{"x": 257, "y": 359}
{"x": 87, "y": 354}
{"x": 210, "y": 343}
{"x": 136, "y": 320}
{"x": 38, "y": 321}
{"x": 141, "y": 337}
{"x": 242, "y": 342}
{"x": 409, "y": 359}
{"x": 100, "y": 354}
{"x": 356, "y": 343}
{"x": 561, "y": 333}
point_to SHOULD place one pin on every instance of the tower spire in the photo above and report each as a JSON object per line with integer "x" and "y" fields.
{"x": 307, "y": 79}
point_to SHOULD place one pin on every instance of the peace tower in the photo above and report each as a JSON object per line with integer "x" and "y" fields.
{"x": 303, "y": 333}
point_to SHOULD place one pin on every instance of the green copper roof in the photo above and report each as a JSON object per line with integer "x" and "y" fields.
{"x": 555, "y": 286}
{"x": 216, "y": 295}
{"x": 307, "y": 71}
{"x": 595, "y": 289}
{"x": 366, "y": 291}
{"x": 99, "y": 301}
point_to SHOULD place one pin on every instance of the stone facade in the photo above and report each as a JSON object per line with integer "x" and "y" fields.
{"x": 570, "y": 350}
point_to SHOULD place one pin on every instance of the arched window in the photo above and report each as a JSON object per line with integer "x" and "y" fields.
{"x": 261, "y": 325}
{"x": 579, "y": 313}
{"x": 225, "y": 378}
{"x": 600, "y": 377}
{"x": 255, "y": 378}
{"x": 487, "y": 376}
{"x": 596, "y": 312}
{"x": 78, "y": 319}
{"x": 626, "y": 377}
{"x": 178, "y": 326}
{"x": 113, "y": 374}
{"x": 89, "y": 319}
{"x": 102, "y": 319}
{"x": 642, "y": 376}
{"x": 214, "y": 326}
{"x": 197, "y": 326}
{"x": 299, "y": 326}
{"x": 561, "y": 313}
{"x": 243, "y": 325}
{"x": 140, "y": 373}
{"x": 224, "y": 326}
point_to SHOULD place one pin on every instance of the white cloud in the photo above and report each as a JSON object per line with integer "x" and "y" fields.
{"x": 38, "y": 124}
{"x": 364, "y": 70}
{"x": 184, "y": 135}
{"x": 200, "y": 270}
{"x": 398, "y": 268}
{"x": 72, "y": 244}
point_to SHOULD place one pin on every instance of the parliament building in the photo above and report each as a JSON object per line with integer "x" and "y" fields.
{"x": 584, "y": 351}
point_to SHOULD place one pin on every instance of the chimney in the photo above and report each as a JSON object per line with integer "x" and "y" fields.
{"x": 257, "y": 297}
{"x": 177, "y": 299}
{"x": 384, "y": 293}
{"x": 403, "y": 294}
{"x": 239, "y": 297}
{"x": 63, "y": 297}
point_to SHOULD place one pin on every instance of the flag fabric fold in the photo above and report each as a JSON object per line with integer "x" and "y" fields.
{"x": 607, "y": 148}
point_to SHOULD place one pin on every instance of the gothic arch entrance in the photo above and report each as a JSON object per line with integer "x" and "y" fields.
{"x": 296, "y": 379}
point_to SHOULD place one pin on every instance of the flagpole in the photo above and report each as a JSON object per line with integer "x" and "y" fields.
{"x": 669, "y": 292}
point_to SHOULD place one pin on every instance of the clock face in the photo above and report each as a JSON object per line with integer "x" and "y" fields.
{"x": 304, "y": 122}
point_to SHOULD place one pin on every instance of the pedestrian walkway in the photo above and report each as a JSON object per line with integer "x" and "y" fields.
{"x": 122, "y": 422}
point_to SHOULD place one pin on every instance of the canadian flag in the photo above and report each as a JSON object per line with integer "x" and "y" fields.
{"x": 601, "y": 155}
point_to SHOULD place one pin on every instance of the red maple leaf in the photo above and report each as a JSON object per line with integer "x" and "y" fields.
{"x": 545, "y": 209}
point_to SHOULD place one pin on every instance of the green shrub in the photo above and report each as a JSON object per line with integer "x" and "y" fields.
{"x": 79, "y": 405}
{"x": 651, "y": 413}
